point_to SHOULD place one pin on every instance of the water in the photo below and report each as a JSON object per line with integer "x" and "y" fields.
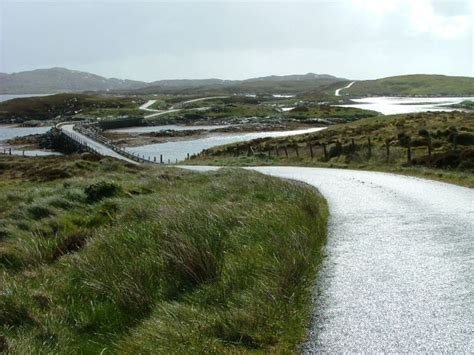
{"x": 396, "y": 105}
{"x": 164, "y": 128}
{"x": 10, "y": 132}
{"x": 279, "y": 96}
{"x": 10, "y": 97}
{"x": 179, "y": 149}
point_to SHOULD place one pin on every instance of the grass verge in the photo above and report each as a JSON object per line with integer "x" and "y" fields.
{"x": 96, "y": 255}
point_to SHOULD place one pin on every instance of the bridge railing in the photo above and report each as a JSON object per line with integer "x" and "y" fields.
{"x": 87, "y": 129}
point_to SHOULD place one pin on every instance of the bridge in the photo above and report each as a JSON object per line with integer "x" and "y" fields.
{"x": 85, "y": 137}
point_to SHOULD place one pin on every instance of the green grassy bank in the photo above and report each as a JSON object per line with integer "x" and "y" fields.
{"x": 418, "y": 85}
{"x": 98, "y": 256}
{"x": 434, "y": 145}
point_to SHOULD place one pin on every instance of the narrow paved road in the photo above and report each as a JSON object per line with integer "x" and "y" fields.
{"x": 338, "y": 91}
{"x": 98, "y": 147}
{"x": 177, "y": 107}
{"x": 399, "y": 272}
{"x": 160, "y": 113}
{"x": 146, "y": 106}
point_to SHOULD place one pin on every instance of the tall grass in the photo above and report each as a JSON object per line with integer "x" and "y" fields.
{"x": 174, "y": 262}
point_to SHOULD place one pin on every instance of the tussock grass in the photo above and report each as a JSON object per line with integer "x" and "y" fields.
{"x": 171, "y": 262}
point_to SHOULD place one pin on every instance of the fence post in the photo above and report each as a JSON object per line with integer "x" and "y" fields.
{"x": 370, "y": 147}
{"x": 409, "y": 151}
{"x": 161, "y": 158}
{"x": 311, "y": 150}
{"x": 296, "y": 150}
{"x": 276, "y": 151}
{"x": 429, "y": 146}
{"x": 269, "y": 153}
{"x": 286, "y": 151}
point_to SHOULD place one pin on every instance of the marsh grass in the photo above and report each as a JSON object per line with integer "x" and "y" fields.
{"x": 171, "y": 262}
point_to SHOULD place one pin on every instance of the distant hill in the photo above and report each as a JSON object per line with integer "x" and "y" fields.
{"x": 414, "y": 85}
{"x": 61, "y": 80}
{"x": 187, "y": 83}
{"x": 297, "y": 77}
{"x": 290, "y": 84}
{"x": 58, "y": 80}
{"x": 54, "y": 80}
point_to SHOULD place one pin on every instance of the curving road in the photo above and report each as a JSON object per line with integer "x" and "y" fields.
{"x": 146, "y": 106}
{"x": 338, "y": 91}
{"x": 177, "y": 107}
{"x": 399, "y": 272}
{"x": 68, "y": 129}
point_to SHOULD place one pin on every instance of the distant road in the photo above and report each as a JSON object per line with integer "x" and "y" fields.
{"x": 399, "y": 276}
{"x": 203, "y": 99}
{"x": 161, "y": 112}
{"x": 146, "y": 105}
{"x": 338, "y": 91}
{"x": 175, "y": 108}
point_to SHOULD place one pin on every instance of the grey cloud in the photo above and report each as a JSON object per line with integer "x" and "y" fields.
{"x": 156, "y": 40}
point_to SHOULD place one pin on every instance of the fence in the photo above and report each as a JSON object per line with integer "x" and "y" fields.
{"x": 386, "y": 150}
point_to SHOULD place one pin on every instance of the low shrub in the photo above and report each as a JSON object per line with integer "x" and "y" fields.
{"x": 12, "y": 313}
{"x": 102, "y": 189}
{"x": 465, "y": 138}
{"x": 38, "y": 211}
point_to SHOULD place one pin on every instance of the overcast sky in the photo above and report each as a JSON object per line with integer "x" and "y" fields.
{"x": 356, "y": 39}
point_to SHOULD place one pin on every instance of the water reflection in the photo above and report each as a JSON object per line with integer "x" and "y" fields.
{"x": 397, "y": 105}
{"x": 170, "y": 127}
{"x": 178, "y": 150}
{"x": 9, "y": 132}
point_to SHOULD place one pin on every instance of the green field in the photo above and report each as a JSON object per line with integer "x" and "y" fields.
{"x": 101, "y": 257}
{"x": 225, "y": 112}
{"x": 414, "y": 85}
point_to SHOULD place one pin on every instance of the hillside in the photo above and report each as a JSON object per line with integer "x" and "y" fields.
{"x": 416, "y": 85}
{"x": 56, "y": 80}
{"x": 287, "y": 84}
{"x": 46, "y": 81}
{"x": 48, "y": 107}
